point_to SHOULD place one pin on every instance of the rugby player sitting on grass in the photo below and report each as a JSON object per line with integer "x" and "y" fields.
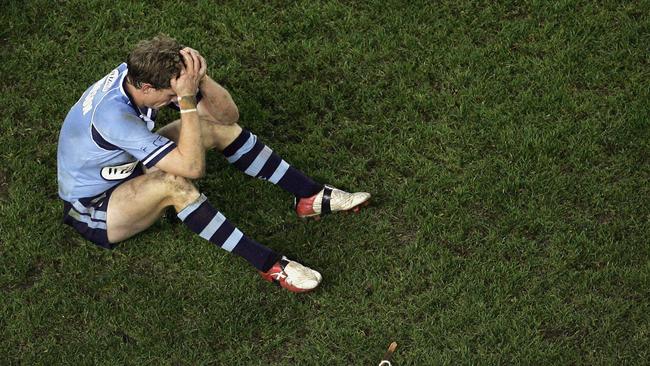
{"x": 116, "y": 176}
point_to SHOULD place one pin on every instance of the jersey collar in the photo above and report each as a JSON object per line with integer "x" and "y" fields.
{"x": 148, "y": 116}
{"x": 127, "y": 95}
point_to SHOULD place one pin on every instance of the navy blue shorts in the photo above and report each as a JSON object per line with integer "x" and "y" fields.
{"x": 88, "y": 215}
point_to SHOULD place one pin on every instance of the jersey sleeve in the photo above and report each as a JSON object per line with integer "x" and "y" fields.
{"x": 129, "y": 133}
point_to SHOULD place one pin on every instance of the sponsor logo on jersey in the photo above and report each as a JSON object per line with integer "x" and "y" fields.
{"x": 118, "y": 172}
{"x": 110, "y": 80}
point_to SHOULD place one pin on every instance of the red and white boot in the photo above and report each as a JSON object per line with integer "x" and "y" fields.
{"x": 292, "y": 275}
{"x": 329, "y": 200}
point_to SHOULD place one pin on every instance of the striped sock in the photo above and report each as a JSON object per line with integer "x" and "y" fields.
{"x": 257, "y": 160}
{"x": 210, "y": 224}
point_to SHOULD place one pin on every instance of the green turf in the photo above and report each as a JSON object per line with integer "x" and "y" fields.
{"x": 506, "y": 146}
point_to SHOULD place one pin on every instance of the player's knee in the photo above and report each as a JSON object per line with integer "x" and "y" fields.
{"x": 232, "y": 117}
{"x": 179, "y": 185}
{"x": 224, "y": 135}
{"x": 232, "y": 114}
{"x": 229, "y": 115}
{"x": 180, "y": 190}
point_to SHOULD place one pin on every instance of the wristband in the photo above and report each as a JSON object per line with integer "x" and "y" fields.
{"x": 188, "y": 110}
{"x": 187, "y": 102}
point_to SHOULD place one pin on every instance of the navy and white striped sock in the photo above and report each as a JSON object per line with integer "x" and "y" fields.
{"x": 210, "y": 224}
{"x": 257, "y": 160}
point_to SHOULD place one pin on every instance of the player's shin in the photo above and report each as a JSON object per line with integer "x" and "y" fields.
{"x": 254, "y": 158}
{"x": 210, "y": 224}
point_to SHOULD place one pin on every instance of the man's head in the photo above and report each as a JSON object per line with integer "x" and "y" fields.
{"x": 152, "y": 64}
{"x": 154, "y": 61}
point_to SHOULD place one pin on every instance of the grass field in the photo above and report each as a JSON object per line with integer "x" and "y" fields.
{"x": 506, "y": 146}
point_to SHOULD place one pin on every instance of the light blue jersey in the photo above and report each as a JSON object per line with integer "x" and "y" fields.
{"x": 103, "y": 138}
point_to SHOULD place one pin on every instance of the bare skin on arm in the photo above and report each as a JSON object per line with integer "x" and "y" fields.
{"x": 217, "y": 105}
{"x": 188, "y": 159}
{"x": 218, "y": 115}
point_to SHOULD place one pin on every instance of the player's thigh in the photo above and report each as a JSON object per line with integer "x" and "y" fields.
{"x": 136, "y": 204}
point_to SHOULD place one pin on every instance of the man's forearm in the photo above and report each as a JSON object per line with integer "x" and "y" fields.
{"x": 190, "y": 142}
{"x": 218, "y": 102}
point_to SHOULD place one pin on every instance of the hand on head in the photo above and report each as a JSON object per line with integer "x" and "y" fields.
{"x": 193, "y": 70}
